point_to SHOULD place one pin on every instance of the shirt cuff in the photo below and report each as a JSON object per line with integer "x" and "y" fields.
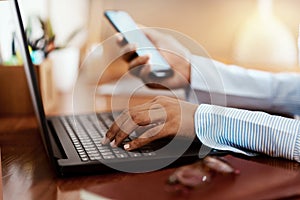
{"x": 203, "y": 125}
{"x": 296, "y": 154}
{"x": 239, "y": 130}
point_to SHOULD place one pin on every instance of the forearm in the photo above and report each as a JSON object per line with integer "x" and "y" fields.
{"x": 233, "y": 86}
{"x": 235, "y": 130}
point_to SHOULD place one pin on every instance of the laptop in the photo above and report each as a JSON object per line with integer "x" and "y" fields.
{"x": 73, "y": 142}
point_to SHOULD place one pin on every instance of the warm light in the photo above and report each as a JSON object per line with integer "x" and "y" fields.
{"x": 299, "y": 47}
{"x": 264, "y": 41}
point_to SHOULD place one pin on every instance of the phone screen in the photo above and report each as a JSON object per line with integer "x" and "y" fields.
{"x": 124, "y": 24}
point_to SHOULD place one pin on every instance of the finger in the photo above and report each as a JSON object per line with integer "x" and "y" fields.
{"x": 150, "y": 81}
{"x": 138, "y": 118}
{"x": 128, "y": 52}
{"x": 115, "y": 127}
{"x": 142, "y": 129}
{"x": 124, "y": 130}
{"x": 138, "y": 115}
{"x": 155, "y": 113}
{"x": 121, "y": 40}
{"x": 123, "y": 120}
{"x": 140, "y": 60}
{"x": 137, "y": 64}
{"x": 146, "y": 138}
{"x": 110, "y": 134}
{"x": 120, "y": 136}
{"x": 173, "y": 82}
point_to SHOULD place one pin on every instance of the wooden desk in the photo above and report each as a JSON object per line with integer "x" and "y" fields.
{"x": 27, "y": 174}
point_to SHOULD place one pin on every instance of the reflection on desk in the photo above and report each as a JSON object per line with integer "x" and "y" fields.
{"x": 27, "y": 174}
{"x": 1, "y": 191}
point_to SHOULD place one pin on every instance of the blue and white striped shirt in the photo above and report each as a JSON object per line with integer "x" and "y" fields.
{"x": 244, "y": 131}
{"x": 236, "y": 130}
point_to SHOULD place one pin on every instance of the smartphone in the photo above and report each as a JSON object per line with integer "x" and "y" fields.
{"x": 124, "y": 24}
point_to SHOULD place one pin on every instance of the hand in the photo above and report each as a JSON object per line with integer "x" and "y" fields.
{"x": 176, "y": 55}
{"x": 163, "y": 117}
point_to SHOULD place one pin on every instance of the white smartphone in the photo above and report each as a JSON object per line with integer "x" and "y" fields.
{"x": 124, "y": 24}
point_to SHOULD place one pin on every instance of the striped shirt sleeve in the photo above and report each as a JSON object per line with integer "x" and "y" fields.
{"x": 234, "y": 86}
{"x": 244, "y": 131}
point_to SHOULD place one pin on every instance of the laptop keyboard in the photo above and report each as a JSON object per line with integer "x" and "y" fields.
{"x": 87, "y": 132}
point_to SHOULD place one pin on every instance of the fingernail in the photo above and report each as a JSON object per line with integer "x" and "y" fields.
{"x": 113, "y": 144}
{"x": 126, "y": 146}
{"x": 105, "y": 140}
{"x": 119, "y": 38}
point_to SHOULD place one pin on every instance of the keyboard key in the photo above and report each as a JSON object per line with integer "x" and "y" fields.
{"x": 109, "y": 157}
{"x": 85, "y": 159}
{"x": 134, "y": 154}
{"x": 96, "y": 158}
{"x": 122, "y": 155}
{"x": 86, "y": 132}
{"x": 107, "y": 153}
{"x": 104, "y": 150}
{"x": 92, "y": 152}
{"x": 149, "y": 154}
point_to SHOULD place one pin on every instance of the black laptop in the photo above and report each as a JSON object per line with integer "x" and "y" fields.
{"x": 73, "y": 142}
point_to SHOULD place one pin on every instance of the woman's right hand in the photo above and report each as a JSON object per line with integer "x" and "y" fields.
{"x": 176, "y": 55}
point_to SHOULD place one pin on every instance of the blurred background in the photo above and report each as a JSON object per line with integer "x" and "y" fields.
{"x": 217, "y": 25}
{"x": 258, "y": 34}
{"x": 251, "y": 33}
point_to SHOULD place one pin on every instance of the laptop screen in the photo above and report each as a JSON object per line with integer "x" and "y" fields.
{"x": 31, "y": 75}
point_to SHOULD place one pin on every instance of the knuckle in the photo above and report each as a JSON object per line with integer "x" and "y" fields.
{"x": 109, "y": 135}
{"x": 162, "y": 101}
{"x": 158, "y": 99}
{"x": 139, "y": 120}
{"x": 134, "y": 116}
{"x": 113, "y": 129}
{"x": 119, "y": 138}
{"x": 136, "y": 143}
